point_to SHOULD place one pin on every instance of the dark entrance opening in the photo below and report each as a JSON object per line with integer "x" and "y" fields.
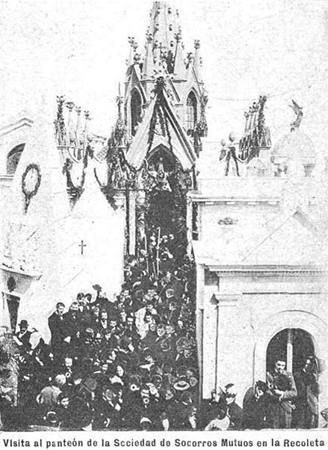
{"x": 294, "y": 345}
{"x": 13, "y": 305}
{"x": 166, "y": 202}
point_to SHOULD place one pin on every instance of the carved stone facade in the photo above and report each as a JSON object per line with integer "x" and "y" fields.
{"x": 157, "y": 137}
{"x": 261, "y": 258}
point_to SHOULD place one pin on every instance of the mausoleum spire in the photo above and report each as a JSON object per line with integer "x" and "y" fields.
{"x": 179, "y": 65}
{"x": 164, "y": 24}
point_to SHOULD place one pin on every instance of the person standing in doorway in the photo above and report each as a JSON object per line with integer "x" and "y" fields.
{"x": 282, "y": 390}
{"x": 306, "y": 402}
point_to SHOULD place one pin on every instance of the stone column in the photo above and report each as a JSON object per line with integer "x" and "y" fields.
{"x": 200, "y": 322}
{"x": 189, "y": 225}
{"x": 224, "y": 301}
{"x": 141, "y": 226}
{"x": 132, "y": 223}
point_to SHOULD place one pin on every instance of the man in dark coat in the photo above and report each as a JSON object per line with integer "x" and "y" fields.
{"x": 306, "y": 402}
{"x": 255, "y": 411}
{"x": 57, "y": 329}
{"x": 72, "y": 327}
{"x": 23, "y": 336}
{"x": 282, "y": 390}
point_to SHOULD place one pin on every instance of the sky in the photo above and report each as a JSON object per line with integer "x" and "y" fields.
{"x": 78, "y": 48}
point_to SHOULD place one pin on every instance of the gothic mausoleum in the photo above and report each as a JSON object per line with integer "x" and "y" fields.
{"x": 250, "y": 213}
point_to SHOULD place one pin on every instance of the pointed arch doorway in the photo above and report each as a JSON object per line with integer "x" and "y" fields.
{"x": 165, "y": 203}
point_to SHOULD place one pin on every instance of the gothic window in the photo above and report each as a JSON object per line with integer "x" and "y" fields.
{"x": 13, "y": 158}
{"x": 191, "y": 113}
{"x": 136, "y": 107}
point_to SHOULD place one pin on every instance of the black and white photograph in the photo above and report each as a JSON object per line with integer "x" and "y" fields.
{"x": 164, "y": 220}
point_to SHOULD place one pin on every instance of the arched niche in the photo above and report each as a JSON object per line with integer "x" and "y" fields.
{"x": 310, "y": 323}
{"x": 13, "y": 158}
{"x": 303, "y": 320}
{"x": 191, "y": 113}
{"x": 136, "y": 109}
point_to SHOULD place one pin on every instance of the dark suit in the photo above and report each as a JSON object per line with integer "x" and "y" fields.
{"x": 24, "y": 338}
{"x": 255, "y": 412}
{"x": 306, "y": 402}
{"x": 57, "y": 330}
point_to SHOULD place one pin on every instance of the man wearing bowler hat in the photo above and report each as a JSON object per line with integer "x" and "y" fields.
{"x": 23, "y": 335}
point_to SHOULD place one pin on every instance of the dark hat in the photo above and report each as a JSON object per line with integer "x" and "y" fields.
{"x": 23, "y": 323}
{"x": 262, "y": 386}
{"x": 96, "y": 287}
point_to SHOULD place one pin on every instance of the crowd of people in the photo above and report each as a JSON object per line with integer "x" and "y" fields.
{"x": 130, "y": 363}
{"x": 125, "y": 363}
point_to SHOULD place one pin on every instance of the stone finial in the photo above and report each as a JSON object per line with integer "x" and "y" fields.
{"x": 197, "y": 44}
{"x": 149, "y": 37}
{"x": 60, "y": 121}
{"x": 70, "y": 106}
{"x": 60, "y": 99}
{"x": 178, "y": 36}
{"x": 137, "y": 58}
{"x": 133, "y": 43}
{"x": 119, "y": 101}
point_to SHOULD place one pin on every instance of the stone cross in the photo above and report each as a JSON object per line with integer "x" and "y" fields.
{"x": 82, "y": 245}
